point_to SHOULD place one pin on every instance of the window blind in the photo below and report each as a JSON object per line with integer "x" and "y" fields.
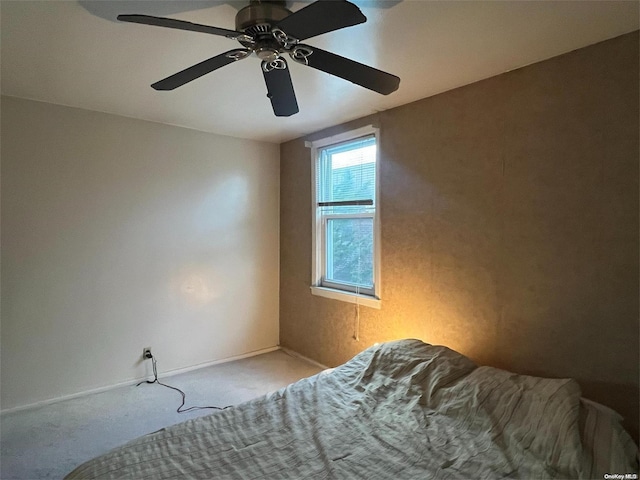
{"x": 345, "y": 181}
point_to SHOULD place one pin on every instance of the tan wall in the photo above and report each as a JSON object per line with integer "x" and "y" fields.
{"x": 118, "y": 234}
{"x": 509, "y": 227}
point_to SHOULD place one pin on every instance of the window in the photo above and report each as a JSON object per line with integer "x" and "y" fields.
{"x": 346, "y": 261}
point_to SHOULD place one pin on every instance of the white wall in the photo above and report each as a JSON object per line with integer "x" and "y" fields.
{"x": 118, "y": 234}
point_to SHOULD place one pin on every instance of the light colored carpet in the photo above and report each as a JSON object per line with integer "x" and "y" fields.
{"x": 50, "y": 441}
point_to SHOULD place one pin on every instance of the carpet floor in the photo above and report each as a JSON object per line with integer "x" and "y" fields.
{"x": 50, "y": 441}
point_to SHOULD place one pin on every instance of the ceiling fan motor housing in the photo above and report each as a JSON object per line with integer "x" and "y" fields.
{"x": 260, "y": 15}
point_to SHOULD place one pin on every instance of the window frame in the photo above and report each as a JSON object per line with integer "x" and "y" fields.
{"x": 324, "y": 253}
{"x": 328, "y": 289}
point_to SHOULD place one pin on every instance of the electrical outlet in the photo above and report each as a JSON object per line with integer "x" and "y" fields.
{"x": 146, "y": 353}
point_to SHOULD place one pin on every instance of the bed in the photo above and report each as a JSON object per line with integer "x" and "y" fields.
{"x": 398, "y": 410}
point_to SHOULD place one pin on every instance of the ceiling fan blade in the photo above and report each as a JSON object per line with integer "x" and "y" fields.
{"x": 179, "y": 24}
{"x": 196, "y": 71}
{"x": 358, "y": 73}
{"x": 320, "y": 17}
{"x": 280, "y": 88}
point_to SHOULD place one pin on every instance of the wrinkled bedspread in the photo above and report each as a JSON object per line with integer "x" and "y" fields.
{"x": 399, "y": 410}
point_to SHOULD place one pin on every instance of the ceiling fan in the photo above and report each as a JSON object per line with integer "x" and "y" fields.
{"x": 268, "y": 29}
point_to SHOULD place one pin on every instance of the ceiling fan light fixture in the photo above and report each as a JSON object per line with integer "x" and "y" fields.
{"x": 268, "y": 54}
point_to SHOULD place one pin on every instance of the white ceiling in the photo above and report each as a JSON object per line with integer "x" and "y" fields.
{"x": 75, "y": 53}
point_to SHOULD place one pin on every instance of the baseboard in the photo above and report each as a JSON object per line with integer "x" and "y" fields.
{"x": 168, "y": 373}
{"x": 178, "y": 371}
{"x": 302, "y": 357}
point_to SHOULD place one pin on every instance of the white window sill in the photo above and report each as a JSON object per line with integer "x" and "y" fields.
{"x": 364, "y": 300}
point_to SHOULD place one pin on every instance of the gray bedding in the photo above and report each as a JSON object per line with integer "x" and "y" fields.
{"x": 399, "y": 410}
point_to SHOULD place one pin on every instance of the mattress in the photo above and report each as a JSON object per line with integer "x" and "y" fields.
{"x": 399, "y": 410}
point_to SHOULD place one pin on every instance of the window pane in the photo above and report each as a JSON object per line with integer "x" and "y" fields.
{"x": 350, "y": 251}
{"x": 347, "y": 172}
